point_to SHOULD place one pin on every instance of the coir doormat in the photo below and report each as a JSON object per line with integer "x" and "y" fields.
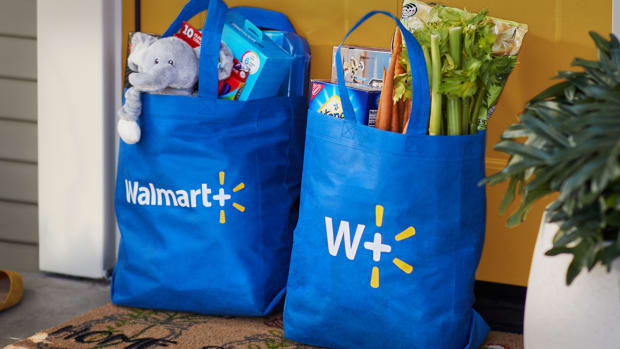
{"x": 112, "y": 326}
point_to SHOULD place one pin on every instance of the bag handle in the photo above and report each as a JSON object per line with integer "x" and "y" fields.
{"x": 420, "y": 100}
{"x": 265, "y": 19}
{"x": 211, "y": 37}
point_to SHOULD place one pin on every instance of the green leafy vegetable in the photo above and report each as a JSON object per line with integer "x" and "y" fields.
{"x": 462, "y": 69}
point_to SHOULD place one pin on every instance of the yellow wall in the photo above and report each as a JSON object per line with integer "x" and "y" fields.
{"x": 557, "y": 33}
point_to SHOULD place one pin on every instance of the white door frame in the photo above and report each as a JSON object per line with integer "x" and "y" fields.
{"x": 79, "y": 84}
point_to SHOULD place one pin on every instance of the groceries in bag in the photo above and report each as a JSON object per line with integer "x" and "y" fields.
{"x": 325, "y": 99}
{"x": 363, "y": 66}
{"x": 210, "y": 191}
{"x": 165, "y": 66}
{"x": 251, "y": 66}
{"x": 258, "y": 66}
{"x": 469, "y": 57}
{"x": 383, "y": 229}
{"x": 266, "y": 63}
{"x": 299, "y": 73}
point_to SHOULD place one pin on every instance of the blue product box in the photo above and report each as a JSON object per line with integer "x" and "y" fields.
{"x": 299, "y": 76}
{"x": 325, "y": 99}
{"x": 267, "y": 64}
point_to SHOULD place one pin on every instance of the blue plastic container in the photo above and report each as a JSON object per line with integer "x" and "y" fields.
{"x": 299, "y": 75}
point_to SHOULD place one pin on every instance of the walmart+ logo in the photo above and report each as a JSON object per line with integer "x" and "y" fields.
{"x": 377, "y": 246}
{"x": 147, "y": 194}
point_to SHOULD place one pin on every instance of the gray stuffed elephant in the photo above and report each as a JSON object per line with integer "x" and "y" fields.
{"x": 163, "y": 66}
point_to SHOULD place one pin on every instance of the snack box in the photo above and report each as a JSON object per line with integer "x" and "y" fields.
{"x": 231, "y": 87}
{"x": 325, "y": 99}
{"x": 299, "y": 74}
{"x": 363, "y": 66}
{"x": 267, "y": 64}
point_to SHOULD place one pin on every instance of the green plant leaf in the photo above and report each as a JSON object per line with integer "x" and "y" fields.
{"x": 509, "y": 196}
{"x": 540, "y": 128}
{"x": 608, "y": 254}
{"x": 521, "y": 149}
{"x": 515, "y": 166}
{"x": 602, "y": 93}
{"x": 567, "y": 141}
{"x": 580, "y": 258}
{"x": 580, "y": 177}
{"x": 529, "y": 199}
{"x": 516, "y": 131}
{"x": 580, "y": 62}
{"x": 600, "y": 43}
{"x": 553, "y": 91}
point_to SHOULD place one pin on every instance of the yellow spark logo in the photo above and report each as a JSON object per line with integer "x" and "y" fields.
{"x": 377, "y": 247}
{"x": 222, "y": 197}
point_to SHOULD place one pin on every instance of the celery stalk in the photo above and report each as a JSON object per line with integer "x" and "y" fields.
{"x": 473, "y": 126}
{"x": 436, "y": 114}
{"x": 427, "y": 58}
{"x": 465, "y": 111}
{"x": 455, "y": 39}
{"x": 465, "y": 103}
{"x": 453, "y": 109}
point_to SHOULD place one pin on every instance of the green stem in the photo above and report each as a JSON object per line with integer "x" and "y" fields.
{"x": 435, "y": 118}
{"x": 455, "y": 39}
{"x": 427, "y": 58}
{"x": 465, "y": 106}
{"x": 453, "y": 108}
{"x": 465, "y": 101}
{"x": 453, "y": 111}
{"x": 473, "y": 126}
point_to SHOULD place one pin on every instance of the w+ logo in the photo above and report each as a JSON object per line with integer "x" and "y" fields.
{"x": 376, "y": 245}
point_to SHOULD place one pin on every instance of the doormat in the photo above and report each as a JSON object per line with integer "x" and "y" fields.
{"x": 112, "y": 326}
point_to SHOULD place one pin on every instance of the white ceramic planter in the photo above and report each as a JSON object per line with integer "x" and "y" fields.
{"x": 584, "y": 315}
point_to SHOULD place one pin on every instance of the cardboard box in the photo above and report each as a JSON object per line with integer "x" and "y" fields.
{"x": 266, "y": 63}
{"x": 363, "y": 66}
{"x": 325, "y": 99}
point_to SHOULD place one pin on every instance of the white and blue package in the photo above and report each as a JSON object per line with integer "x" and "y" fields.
{"x": 325, "y": 99}
{"x": 363, "y": 66}
{"x": 299, "y": 75}
{"x": 267, "y": 63}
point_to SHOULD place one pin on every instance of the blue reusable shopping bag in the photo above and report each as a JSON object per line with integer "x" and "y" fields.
{"x": 390, "y": 231}
{"x": 206, "y": 201}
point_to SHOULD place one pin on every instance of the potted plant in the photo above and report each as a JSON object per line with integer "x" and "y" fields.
{"x": 567, "y": 143}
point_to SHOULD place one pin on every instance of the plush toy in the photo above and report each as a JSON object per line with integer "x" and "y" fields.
{"x": 164, "y": 66}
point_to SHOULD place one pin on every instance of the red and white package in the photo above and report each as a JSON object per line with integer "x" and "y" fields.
{"x": 189, "y": 34}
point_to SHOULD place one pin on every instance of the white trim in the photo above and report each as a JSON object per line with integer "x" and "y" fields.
{"x": 79, "y": 72}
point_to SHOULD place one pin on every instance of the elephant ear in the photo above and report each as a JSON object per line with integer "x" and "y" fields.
{"x": 139, "y": 43}
{"x": 225, "y": 62}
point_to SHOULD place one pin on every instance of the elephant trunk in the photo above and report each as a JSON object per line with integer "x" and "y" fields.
{"x": 156, "y": 79}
